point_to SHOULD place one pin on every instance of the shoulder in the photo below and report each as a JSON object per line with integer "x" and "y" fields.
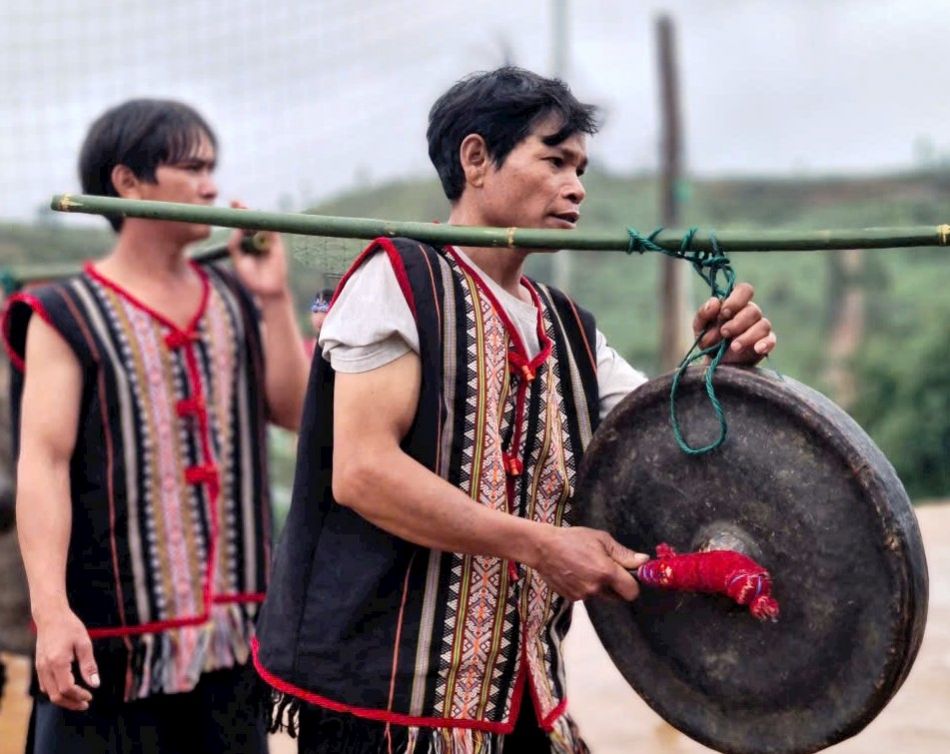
{"x": 402, "y": 264}
{"x": 53, "y": 303}
{"x": 405, "y": 255}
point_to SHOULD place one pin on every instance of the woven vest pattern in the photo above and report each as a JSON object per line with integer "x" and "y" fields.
{"x": 168, "y": 555}
{"x": 425, "y": 639}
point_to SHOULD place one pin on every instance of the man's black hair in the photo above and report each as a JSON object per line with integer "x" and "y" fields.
{"x": 501, "y": 106}
{"x": 140, "y": 134}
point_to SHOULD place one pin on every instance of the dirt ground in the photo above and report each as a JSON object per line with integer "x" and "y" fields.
{"x": 615, "y": 721}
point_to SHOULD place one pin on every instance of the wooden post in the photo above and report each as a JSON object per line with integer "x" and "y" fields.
{"x": 675, "y": 325}
{"x": 561, "y": 262}
{"x": 846, "y": 323}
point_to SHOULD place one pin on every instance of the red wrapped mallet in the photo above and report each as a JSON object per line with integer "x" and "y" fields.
{"x": 715, "y": 572}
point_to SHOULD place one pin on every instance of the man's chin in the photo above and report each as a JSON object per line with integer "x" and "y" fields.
{"x": 195, "y": 234}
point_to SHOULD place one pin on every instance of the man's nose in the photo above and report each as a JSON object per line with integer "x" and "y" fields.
{"x": 575, "y": 190}
{"x": 208, "y": 188}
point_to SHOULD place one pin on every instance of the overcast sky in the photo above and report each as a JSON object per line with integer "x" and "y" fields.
{"x": 312, "y": 97}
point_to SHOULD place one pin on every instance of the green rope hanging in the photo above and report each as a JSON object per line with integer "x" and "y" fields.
{"x": 8, "y": 283}
{"x": 715, "y": 268}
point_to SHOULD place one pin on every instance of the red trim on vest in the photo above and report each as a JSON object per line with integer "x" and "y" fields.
{"x": 37, "y": 306}
{"x": 155, "y": 627}
{"x": 190, "y": 406}
{"x": 227, "y": 599}
{"x": 546, "y": 724}
{"x": 402, "y": 277}
{"x": 178, "y": 339}
{"x": 395, "y": 718}
{"x": 513, "y": 464}
{"x": 189, "y": 330}
{"x": 520, "y": 357}
{"x": 201, "y": 474}
{"x": 206, "y": 474}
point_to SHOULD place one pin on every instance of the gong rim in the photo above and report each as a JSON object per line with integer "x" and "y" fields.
{"x": 652, "y": 665}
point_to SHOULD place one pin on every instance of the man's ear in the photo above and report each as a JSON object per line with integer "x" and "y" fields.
{"x": 475, "y": 160}
{"x": 125, "y": 182}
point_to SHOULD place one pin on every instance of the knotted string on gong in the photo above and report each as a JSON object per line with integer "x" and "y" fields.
{"x": 715, "y": 268}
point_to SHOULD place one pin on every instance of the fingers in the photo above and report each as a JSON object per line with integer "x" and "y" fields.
{"x": 741, "y": 295}
{"x": 766, "y": 345}
{"x": 711, "y": 337}
{"x": 623, "y": 556}
{"x": 234, "y": 244}
{"x": 61, "y": 686}
{"x": 758, "y": 338}
{"x": 87, "y": 663}
{"x": 621, "y": 582}
{"x": 586, "y": 563}
{"x": 707, "y": 313}
{"x": 741, "y": 322}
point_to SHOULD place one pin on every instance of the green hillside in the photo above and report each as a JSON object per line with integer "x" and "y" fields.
{"x": 904, "y": 290}
{"x": 791, "y": 286}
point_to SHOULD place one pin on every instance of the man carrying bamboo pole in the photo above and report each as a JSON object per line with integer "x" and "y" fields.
{"x": 424, "y": 580}
{"x": 142, "y": 500}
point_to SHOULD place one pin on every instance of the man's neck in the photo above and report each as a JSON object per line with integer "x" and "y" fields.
{"x": 504, "y": 266}
{"x": 142, "y": 255}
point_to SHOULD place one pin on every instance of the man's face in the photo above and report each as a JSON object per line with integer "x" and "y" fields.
{"x": 190, "y": 181}
{"x": 538, "y": 186}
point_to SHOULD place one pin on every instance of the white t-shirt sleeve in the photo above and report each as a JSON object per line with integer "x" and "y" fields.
{"x": 615, "y": 377}
{"x": 370, "y": 323}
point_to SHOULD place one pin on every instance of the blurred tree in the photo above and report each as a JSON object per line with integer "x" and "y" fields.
{"x": 904, "y": 398}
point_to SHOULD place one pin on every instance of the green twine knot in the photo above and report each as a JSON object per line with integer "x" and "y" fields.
{"x": 714, "y": 267}
{"x": 8, "y": 283}
{"x": 639, "y": 244}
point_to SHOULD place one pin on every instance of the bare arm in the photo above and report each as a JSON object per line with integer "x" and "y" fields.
{"x": 50, "y": 417}
{"x": 285, "y": 359}
{"x": 371, "y": 474}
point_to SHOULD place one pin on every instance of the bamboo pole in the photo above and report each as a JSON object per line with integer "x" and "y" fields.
{"x": 561, "y": 265}
{"x": 676, "y": 333}
{"x": 526, "y": 238}
{"x": 13, "y": 277}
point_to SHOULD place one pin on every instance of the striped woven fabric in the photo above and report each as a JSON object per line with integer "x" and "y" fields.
{"x": 440, "y": 648}
{"x": 168, "y": 553}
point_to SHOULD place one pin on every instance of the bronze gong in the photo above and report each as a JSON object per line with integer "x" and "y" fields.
{"x": 802, "y": 489}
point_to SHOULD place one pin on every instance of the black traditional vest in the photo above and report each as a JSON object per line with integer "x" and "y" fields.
{"x": 444, "y": 646}
{"x": 169, "y": 547}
